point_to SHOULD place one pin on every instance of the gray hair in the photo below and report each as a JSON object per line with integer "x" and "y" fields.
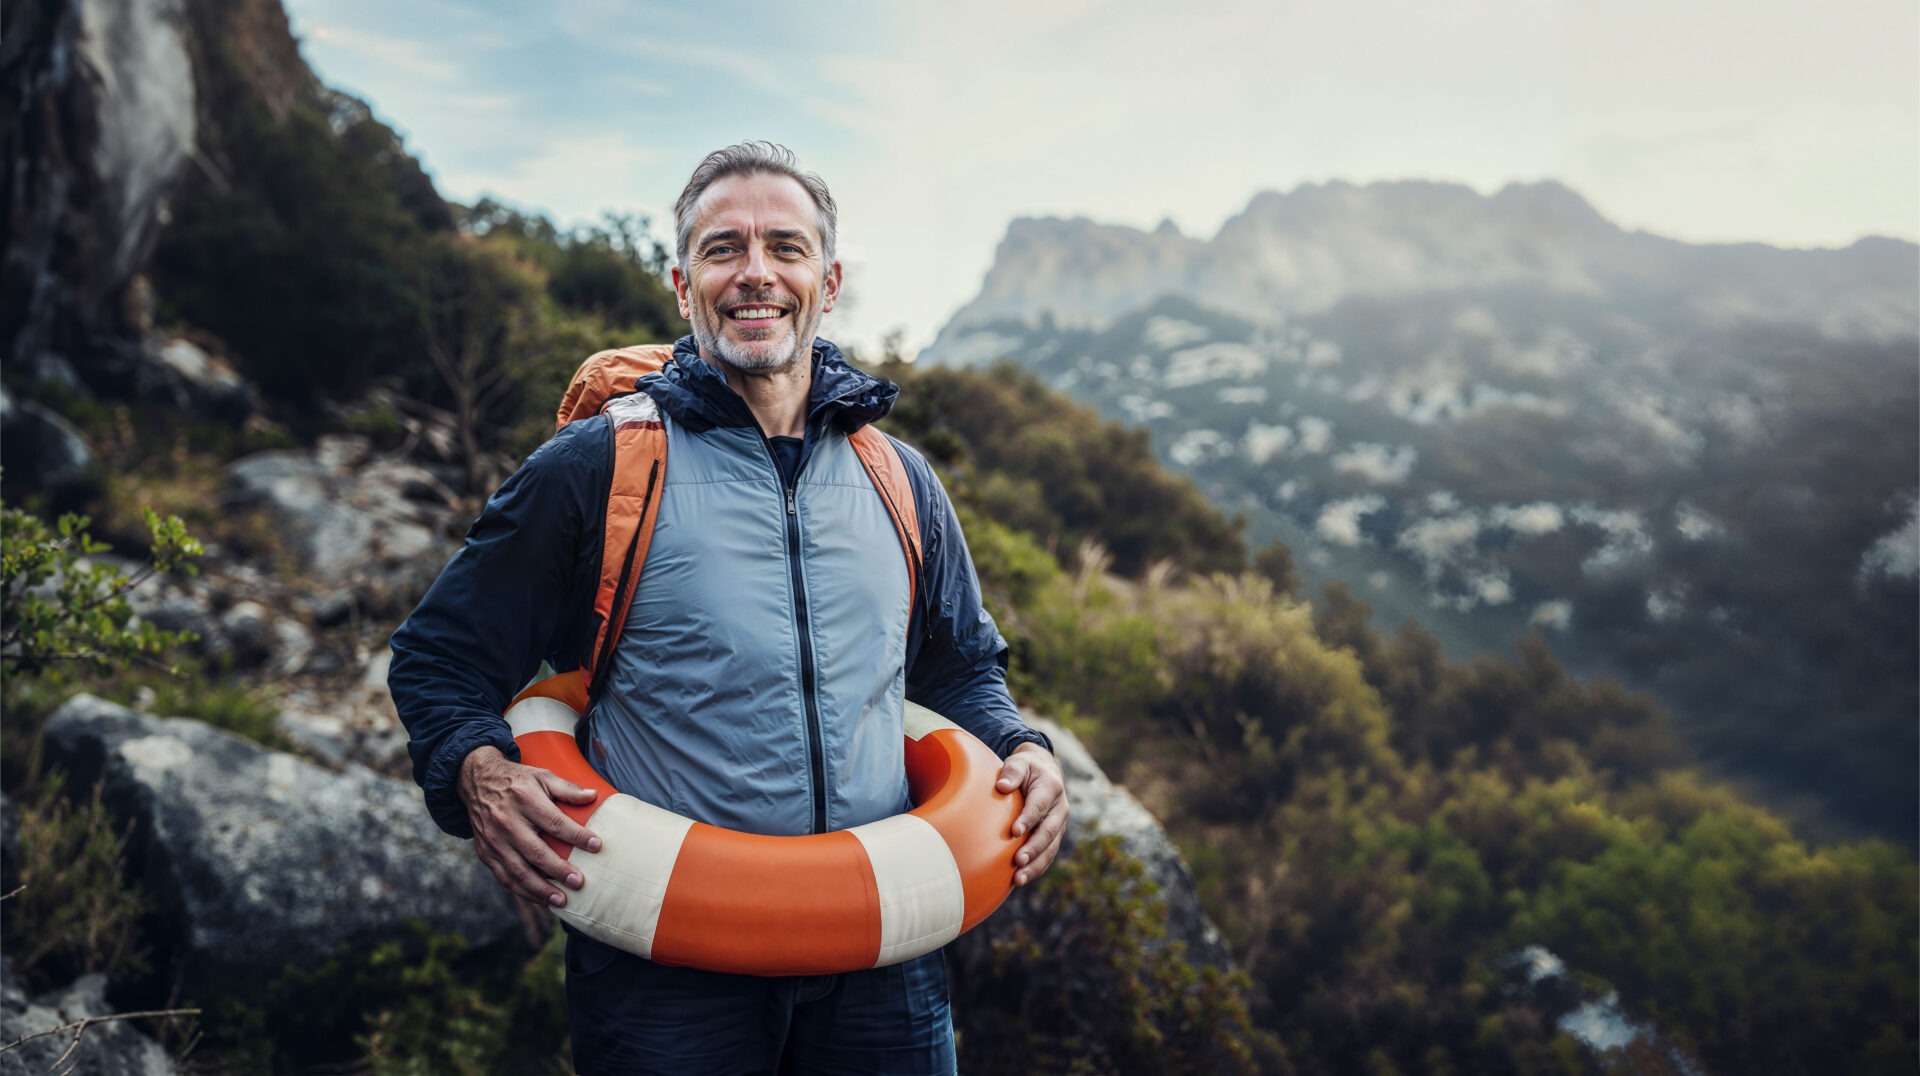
{"x": 749, "y": 159}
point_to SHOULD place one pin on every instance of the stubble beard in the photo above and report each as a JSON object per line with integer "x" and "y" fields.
{"x": 758, "y": 357}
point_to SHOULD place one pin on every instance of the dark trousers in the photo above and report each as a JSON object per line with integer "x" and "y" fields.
{"x": 630, "y": 1015}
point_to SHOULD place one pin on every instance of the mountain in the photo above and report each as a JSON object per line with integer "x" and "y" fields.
{"x": 1694, "y": 467}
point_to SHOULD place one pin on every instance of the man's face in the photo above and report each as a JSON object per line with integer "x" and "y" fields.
{"x": 756, "y": 280}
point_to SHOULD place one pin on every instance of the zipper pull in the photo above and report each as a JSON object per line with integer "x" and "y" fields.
{"x": 790, "y": 510}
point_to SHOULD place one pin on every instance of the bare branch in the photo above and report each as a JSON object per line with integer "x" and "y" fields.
{"x": 79, "y": 1027}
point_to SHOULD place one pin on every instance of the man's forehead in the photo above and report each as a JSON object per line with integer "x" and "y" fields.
{"x": 766, "y": 199}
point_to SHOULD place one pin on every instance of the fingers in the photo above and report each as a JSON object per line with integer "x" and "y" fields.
{"x": 513, "y": 812}
{"x": 1043, "y": 812}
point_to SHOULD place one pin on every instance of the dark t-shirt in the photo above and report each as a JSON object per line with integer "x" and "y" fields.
{"x": 786, "y": 456}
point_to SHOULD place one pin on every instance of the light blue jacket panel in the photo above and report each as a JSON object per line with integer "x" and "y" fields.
{"x": 744, "y": 611}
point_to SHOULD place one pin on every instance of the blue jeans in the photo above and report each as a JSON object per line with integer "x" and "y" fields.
{"x": 627, "y": 1014}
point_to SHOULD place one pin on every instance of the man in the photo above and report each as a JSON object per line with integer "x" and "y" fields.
{"x": 758, "y": 683}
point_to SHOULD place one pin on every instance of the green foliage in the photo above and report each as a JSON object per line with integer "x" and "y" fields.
{"x": 414, "y": 1006}
{"x": 1035, "y": 461}
{"x": 58, "y": 606}
{"x": 1376, "y": 829}
{"x": 1093, "y": 986}
{"x": 74, "y": 913}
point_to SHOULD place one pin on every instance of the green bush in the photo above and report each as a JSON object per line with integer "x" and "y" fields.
{"x": 74, "y": 911}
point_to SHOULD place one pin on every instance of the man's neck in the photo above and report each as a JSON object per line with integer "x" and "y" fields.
{"x": 777, "y": 398}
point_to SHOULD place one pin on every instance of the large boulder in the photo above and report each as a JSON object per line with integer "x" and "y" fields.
{"x": 105, "y": 1048}
{"x": 257, "y": 860}
{"x": 1097, "y": 808}
{"x": 42, "y": 450}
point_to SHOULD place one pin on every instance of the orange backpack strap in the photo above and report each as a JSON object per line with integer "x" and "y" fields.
{"x": 605, "y": 384}
{"x": 889, "y": 474}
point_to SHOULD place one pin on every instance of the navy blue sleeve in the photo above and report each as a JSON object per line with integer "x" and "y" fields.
{"x": 956, "y": 659}
{"x": 519, "y": 591}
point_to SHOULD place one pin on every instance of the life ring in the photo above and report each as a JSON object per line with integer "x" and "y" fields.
{"x": 682, "y": 892}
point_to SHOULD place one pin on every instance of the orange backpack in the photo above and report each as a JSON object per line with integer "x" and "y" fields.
{"x": 601, "y": 384}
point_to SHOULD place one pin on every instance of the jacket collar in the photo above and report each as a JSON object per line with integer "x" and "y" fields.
{"x": 695, "y": 394}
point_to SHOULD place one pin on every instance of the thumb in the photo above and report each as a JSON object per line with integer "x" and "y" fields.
{"x": 566, "y": 791}
{"x": 1012, "y": 772}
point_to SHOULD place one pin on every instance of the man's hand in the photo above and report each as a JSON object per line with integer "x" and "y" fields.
{"x": 510, "y": 806}
{"x": 1036, "y": 773}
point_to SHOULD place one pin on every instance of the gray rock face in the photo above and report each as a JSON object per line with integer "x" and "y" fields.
{"x": 104, "y": 96}
{"x": 364, "y": 524}
{"x": 197, "y": 382}
{"x": 256, "y": 859}
{"x": 112, "y": 1048}
{"x": 1099, "y": 808}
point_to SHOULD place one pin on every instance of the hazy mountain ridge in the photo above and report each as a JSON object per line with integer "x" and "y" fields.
{"x": 1695, "y": 466}
{"x": 1303, "y": 251}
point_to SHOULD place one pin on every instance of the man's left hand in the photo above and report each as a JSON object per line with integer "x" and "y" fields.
{"x": 1043, "y": 818}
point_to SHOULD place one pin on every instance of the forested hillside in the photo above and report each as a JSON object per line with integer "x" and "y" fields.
{"x": 1381, "y": 833}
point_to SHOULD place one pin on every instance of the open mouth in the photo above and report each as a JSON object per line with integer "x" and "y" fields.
{"x": 755, "y": 317}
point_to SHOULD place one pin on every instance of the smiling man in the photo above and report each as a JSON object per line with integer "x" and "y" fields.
{"x": 760, "y": 678}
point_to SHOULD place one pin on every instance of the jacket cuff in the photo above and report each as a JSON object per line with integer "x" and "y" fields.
{"x": 1025, "y": 736}
{"x": 442, "y": 781}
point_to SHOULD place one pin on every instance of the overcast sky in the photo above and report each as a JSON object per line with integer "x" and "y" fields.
{"x": 1792, "y": 123}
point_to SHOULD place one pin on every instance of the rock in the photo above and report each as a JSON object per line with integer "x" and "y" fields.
{"x": 42, "y": 450}
{"x": 366, "y": 524}
{"x": 109, "y": 1048}
{"x": 196, "y": 382}
{"x": 1098, "y": 807}
{"x": 102, "y": 92}
{"x": 256, "y": 859}
{"x": 248, "y": 629}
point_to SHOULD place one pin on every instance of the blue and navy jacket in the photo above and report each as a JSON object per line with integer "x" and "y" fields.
{"x": 758, "y": 683}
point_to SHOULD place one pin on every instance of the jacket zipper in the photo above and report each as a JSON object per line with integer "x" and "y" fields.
{"x": 809, "y": 687}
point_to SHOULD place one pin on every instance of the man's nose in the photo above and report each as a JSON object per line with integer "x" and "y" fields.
{"x": 757, "y": 269}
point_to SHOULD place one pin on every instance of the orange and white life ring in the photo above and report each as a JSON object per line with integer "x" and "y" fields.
{"x": 681, "y": 892}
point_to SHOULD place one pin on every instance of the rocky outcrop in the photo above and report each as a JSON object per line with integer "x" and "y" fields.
{"x": 1098, "y": 807}
{"x": 106, "y": 1048}
{"x": 350, "y": 519}
{"x": 103, "y": 127}
{"x": 256, "y": 860}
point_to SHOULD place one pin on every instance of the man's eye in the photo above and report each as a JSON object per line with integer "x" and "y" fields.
{"x": 715, "y": 251}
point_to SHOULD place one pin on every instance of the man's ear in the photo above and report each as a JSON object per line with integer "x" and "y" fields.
{"x": 680, "y": 291}
{"x": 832, "y": 288}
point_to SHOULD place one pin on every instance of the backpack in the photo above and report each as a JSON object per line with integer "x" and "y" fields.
{"x": 606, "y": 382}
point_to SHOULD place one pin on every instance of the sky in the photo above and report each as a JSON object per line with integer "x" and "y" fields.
{"x": 1778, "y": 121}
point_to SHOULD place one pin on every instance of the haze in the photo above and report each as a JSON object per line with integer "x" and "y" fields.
{"x": 1795, "y": 124}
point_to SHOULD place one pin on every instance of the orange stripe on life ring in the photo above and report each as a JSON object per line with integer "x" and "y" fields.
{"x": 685, "y": 893}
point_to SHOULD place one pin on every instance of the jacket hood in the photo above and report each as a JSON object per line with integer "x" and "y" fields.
{"x": 696, "y": 394}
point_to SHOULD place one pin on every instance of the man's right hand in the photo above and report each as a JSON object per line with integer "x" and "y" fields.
{"x": 510, "y": 806}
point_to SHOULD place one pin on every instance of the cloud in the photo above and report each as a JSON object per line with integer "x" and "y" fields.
{"x": 1213, "y": 362}
{"x": 1264, "y": 442}
{"x": 1438, "y": 542}
{"x": 1195, "y": 447}
{"x": 1165, "y": 334}
{"x": 1316, "y": 435}
{"x": 1557, "y": 615}
{"x": 1666, "y": 603}
{"x": 1895, "y": 555}
{"x": 1530, "y": 520}
{"x": 1625, "y": 537}
{"x": 1383, "y": 465}
{"x": 1243, "y": 394}
{"x": 1695, "y": 525}
{"x": 1339, "y": 522}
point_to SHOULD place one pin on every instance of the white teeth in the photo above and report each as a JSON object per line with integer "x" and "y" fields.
{"x": 756, "y": 312}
